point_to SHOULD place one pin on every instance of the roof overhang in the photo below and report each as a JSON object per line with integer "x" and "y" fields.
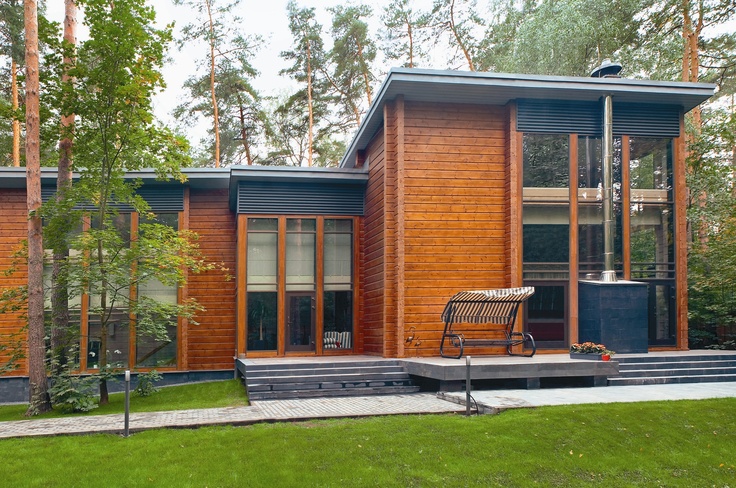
{"x": 470, "y": 87}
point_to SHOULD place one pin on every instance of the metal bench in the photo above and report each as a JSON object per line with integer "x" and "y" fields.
{"x": 496, "y": 311}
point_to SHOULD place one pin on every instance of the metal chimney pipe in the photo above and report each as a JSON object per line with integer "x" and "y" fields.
{"x": 608, "y": 274}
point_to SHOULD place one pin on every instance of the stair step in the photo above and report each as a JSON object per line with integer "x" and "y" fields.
{"x": 329, "y": 378}
{"x": 726, "y": 356}
{"x": 282, "y": 395}
{"x": 334, "y": 378}
{"x": 676, "y": 372}
{"x": 256, "y": 373}
{"x": 677, "y": 365}
{"x": 662, "y": 380}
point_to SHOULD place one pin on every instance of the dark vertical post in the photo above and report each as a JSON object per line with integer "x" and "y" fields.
{"x": 126, "y": 431}
{"x": 467, "y": 386}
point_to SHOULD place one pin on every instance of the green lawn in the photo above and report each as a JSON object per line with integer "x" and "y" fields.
{"x": 197, "y": 395}
{"x": 683, "y": 443}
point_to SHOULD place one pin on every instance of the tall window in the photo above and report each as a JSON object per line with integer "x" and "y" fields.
{"x": 546, "y": 234}
{"x": 652, "y": 230}
{"x": 590, "y": 206}
{"x": 262, "y": 284}
{"x": 159, "y": 351}
{"x": 338, "y": 286}
{"x": 116, "y": 311}
{"x": 315, "y": 309}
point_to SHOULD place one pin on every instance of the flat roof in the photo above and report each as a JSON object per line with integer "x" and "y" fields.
{"x": 472, "y": 87}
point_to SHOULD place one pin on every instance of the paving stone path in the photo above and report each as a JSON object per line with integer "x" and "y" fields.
{"x": 336, "y": 407}
{"x": 264, "y": 411}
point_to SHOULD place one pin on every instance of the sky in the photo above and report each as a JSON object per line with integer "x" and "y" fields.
{"x": 266, "y": 18}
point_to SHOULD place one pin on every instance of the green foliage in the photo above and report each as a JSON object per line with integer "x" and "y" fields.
{"x": 72, "y": 392}
{"x": 146, "y": 385}
{"x": 712, "y": 219}
{"x": 404, "y": 34}
{"x": 351, "y": 58}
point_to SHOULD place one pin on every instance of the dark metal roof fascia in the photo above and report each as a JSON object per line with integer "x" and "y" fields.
{"x": 13, "y": 177}
{"x": 500, "y": 88}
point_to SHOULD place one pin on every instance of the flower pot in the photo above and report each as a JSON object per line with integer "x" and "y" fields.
{"x": 582, "y": 355}
{"x": 605, "y": 357}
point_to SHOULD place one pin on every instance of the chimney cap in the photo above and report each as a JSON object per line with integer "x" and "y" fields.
{"x": 606, "y": 69}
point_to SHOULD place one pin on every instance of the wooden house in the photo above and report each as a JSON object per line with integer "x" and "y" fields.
{"x": 454, "y": 181}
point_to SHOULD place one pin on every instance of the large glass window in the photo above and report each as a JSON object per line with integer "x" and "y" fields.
{"x": 338, "y": 286}
{"x": 546, "y": 234}
{"x": 652, "y": 232}
{"x": 262, "y": 284}
{"x": 109, "y": 322}
{"x": 590, "y": 207}
{"x": 159, "y": 350}
{"x": 309, "y": 272}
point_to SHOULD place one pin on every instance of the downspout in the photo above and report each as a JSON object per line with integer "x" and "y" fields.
{"x": 605, "y": 70}
{"x": 608, "y": 274}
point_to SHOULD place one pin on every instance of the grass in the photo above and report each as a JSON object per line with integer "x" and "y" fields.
{"x": 683, "y": 443}
{"x": 183, "y": 397}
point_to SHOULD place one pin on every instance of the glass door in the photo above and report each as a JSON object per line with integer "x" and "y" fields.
{"x": 300, "y": 322}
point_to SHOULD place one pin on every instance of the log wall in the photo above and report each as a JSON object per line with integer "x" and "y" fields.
{"x": 13, "y": 229}
{"x": 373, "y": 232}
{"x": 211, "y": 343}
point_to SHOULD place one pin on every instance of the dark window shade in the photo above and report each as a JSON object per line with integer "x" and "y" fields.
{"x": 284, "y": 198}
{"x": 586, "y": 118}
{"x": 160, "y": 199}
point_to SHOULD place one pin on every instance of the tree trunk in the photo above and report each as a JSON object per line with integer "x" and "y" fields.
{"x": 244, "y": 133}
{"x": 60, "y": 295}
{"x": 215, "y": 111}
{"x": 103, "y": 315}
{"x": 310, "y": 149}
{"x": 366, "y": 76}
{"x": 411, "y": 42}
{"x": 458, "y": 39}
{"x": 15, "y": 104}
{"x": 38, "y": 384}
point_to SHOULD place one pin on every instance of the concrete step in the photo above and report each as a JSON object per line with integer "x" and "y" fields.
{"x": 322, "y": 371}
{"x": 338, "y": 378}
{"x": 676, "y": 364}
{"x": 327, "y": 385}
{"x": 725, "y": 356}
{"x": 662, "y": 380}
{"x": 289, "y": 365}
{"x": 282, "y": 395}
{"x": 331, "y": 377}
{"x": 634, "y": 373}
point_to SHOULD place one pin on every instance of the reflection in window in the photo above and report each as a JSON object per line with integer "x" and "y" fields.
{"x": 338, "y": 284}
{"x": 546, "y": 161}
{"x": 300, "y": 254}
{"x": 651, "y": 163}
{"x": 159, "y": 351}
{"x": 261, "y": 284}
